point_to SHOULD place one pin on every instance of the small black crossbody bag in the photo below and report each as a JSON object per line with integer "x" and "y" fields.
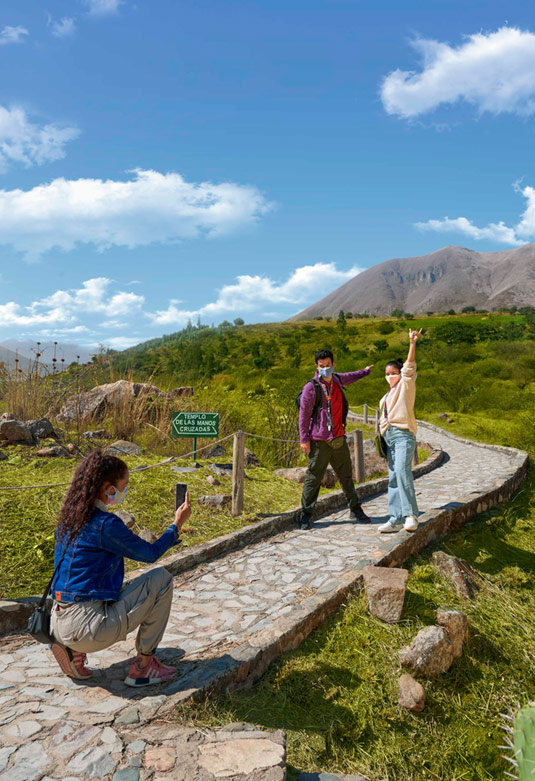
{"x": 39, "y": 622}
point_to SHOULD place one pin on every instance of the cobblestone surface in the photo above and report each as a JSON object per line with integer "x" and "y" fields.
{"x": 223, "y": 612}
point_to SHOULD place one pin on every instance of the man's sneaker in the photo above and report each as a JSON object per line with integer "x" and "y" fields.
{"x": 304, "y": 521}
{"x": 72, "y": 663}
{"x": 411, "y": 523}
{"x": 358, "y": 514}
{"x": 389, "y": 527}
{"x": 154, "y": 672}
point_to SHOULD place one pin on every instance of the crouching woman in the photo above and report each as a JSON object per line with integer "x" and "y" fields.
{"x": 398, "y": 427}
{"x": 92, "y": 609}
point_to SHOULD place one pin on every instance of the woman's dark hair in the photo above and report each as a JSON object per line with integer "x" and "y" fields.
{"x": 79, "y": 503}
{"x": 397, "y": 363}
{"x": 321, "y": 355}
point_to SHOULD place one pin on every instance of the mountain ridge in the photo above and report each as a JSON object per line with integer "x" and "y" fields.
{"x": 449, "y": 278}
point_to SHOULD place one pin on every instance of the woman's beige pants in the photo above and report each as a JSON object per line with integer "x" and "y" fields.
{"x": 144, "y": 602}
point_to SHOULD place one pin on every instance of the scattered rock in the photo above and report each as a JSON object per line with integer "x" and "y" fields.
{"x": 99, "y": 434}
{"x": 430, "y": 653}
{"x": 71, "y": 448}
{"x": 128, "y": 716}
{"x": 41, "y": 429}
{"x": 251, "y": 459}
{"x": 297, "y": 474}
{"x": 411, "y": 694}
{"x": 385, "y": 588}
{"x": 126, "y": 774}
{"x": 225, "y": 470}
{"x": 210, "y": 479}
{"x": 215, "y": 452}
{"x": 463, "y": 577}
{"x": 184, "y": 470}
{"x": 7, "y": 416}
{"x": 54, "y": 451}
{"x": 3, "y": 456}
{"x": 15, "y": 431}
{"x": 443, "y": 416}
{"x": 126, "y": 517}
{"x": 147, "y": 535}
{"x": 456, "y": 624}
{"x": 123, "y": 448}
{"x": 450, "y": 420}
{"x": 216, "y": 500}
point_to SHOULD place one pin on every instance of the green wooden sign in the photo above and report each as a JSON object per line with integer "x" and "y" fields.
{"x": 195, "y": 424}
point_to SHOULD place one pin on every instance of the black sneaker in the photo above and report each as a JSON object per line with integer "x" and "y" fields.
{"x": 359, "y": 515}
{"x": 304, "y": 521}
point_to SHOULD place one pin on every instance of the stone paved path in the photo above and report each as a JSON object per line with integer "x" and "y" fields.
{"x": 52, "y": 727}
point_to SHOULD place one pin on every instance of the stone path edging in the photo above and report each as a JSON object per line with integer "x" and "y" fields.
{"x": 233, "y": 616}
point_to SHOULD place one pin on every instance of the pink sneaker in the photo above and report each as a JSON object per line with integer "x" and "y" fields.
{"x": 72, "y": 663}
{"x": 154, "y": 672}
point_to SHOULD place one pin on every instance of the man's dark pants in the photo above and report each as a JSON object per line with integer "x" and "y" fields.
{"x": 322, "y": 453}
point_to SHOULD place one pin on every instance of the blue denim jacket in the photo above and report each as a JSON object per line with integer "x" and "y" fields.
{"x": 93, "y": 565}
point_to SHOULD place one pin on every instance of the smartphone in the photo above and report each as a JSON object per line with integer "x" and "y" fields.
{"x": 180, "y": 494}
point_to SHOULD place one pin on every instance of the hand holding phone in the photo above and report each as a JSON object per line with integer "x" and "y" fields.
{"x": 183, "y": 509}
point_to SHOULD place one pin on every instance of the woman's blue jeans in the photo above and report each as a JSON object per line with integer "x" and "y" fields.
{"x": 400, "y": 450}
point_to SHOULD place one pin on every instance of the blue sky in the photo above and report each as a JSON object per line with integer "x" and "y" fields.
{"x": 161, "y": 160}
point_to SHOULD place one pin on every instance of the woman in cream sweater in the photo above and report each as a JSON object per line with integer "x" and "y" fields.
{"x": 398, "y": 427}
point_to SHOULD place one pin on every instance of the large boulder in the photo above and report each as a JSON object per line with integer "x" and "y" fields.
{"x": 430, "y": 653}
{"x": 15, "y": 431}
{"x": 94, "y": 404}
{"x": 385, "y": 588}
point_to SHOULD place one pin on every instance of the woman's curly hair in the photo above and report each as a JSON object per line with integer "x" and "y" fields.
{"x": 79, "y": 503}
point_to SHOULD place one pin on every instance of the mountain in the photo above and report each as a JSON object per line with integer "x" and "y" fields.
{"x": 28, "y": 347}
{"x": 450, "y": 278}
{"x": 8, "y": 357}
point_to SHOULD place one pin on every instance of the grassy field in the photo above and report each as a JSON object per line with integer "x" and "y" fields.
{"x": 336, "y": 696}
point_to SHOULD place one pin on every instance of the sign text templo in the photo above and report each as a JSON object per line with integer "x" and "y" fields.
{"x": 195, "y": 424}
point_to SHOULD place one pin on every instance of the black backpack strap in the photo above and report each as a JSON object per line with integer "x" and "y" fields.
{"x": 47, "y": 590}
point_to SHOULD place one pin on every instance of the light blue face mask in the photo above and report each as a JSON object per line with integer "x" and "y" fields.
{"x": 325, "y": 371}
{"x": 118, "y": 496}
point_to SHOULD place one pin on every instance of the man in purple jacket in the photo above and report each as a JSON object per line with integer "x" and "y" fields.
{"x": 322, "y": 436}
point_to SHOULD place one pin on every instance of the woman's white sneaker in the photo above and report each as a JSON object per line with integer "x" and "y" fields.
{"x": 411, "y": 523}
{"x": 389, "y": 527}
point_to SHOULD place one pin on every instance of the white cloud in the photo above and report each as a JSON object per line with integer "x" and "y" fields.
{"x": 521, "y": 233}
{"x": 65, "y": 306}
{"x": 493, "y": 72}
{"x": 123, "y": 342}
{"x": 64, "y": 28}
{"x": 252, "y": 292}
{"x": 151, "y": 207}
{"x": 103, "y": 7}
{"x": 22, "y": 141}
{"x": 12, "y": 35}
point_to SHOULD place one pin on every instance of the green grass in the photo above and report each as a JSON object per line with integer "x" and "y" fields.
{"x": 337, "y": 694}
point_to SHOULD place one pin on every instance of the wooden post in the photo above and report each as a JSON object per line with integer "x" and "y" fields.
{"x": 377, "y": 420}
{"x": 238, "y": 461}
{"x": 358, "y": 456}
{"x": 365, "y": 414}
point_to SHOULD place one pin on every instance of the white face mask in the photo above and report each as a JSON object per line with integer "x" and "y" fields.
{"x": 116, "y": 497}
{"x": 392, "y": 379}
